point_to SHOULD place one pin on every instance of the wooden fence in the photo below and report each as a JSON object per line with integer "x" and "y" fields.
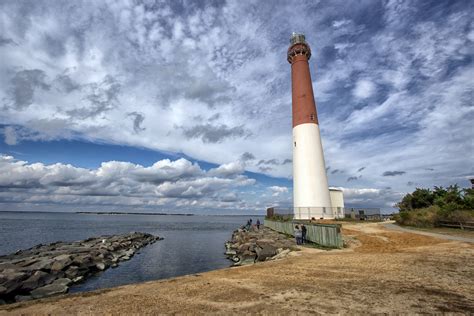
{"x": 327, "y": 235}
{"x": 461, "y": 225}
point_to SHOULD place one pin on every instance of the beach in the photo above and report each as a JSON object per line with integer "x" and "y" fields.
{"x": 382, "y": 271}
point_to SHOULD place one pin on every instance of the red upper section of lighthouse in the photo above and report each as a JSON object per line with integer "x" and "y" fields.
{"x": 304, "y": 107}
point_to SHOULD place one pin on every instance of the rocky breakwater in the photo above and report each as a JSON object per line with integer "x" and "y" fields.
{"x": 250, "y": 246}
{"x": 46, "y": 270}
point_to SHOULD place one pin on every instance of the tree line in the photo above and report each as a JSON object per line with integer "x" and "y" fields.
{"x": 425, "y": 207}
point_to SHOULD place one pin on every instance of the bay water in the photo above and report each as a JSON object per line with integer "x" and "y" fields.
{"x": 192, "y": 244}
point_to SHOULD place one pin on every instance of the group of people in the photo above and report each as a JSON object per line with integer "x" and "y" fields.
{"x": 300, "y": 234}
{"x": 249, "y": 224}
{"x": 300, "y": 231}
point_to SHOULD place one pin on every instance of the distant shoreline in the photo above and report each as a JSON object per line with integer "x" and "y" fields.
{"x": 130, "y": 213}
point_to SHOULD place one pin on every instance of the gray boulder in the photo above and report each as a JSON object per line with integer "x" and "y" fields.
{"x": 101, "y": 266}
{"x": 83, "y": 261}
{"x": 245, "y": 260}
{"x": 281, "y": 254}
{"x": 267, "y": 251}
{"x": 63, "y": 281}
{"x": 3, "y": 290}
{"x": 23, "y": 298}
{"x": 6, "y": 265}
{"x": 12, "y": 280}
{"x": 263, "y": 242}
{"x": 252, "y": 247}
{"x": 48, "y": 290}
{"x": 130, "y": 252}
{"x": 40, "y": 264}
{"x": 39, "y": 278}
{"x": 231, "y": 252}
{"x": 72, "y": 272}
{"x": 61, "y": 262}
{"x": 243, "y": 247}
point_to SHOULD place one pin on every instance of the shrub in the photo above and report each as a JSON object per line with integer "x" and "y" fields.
{"x": 460, "y": 216}
{"x": 425, "y": 207}
{"x": 423, "y": 217}
{"x": 450, "y": 199}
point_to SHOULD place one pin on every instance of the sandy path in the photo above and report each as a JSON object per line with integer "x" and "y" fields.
{"x": 414, "y": 231}
{"x": 383, "y": 272}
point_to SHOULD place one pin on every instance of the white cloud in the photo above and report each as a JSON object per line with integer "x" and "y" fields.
{"x": 10, "y": 135}
{"x": 364, "y": 89}
{"x": 340, "y": 23}
{"x": 229, "y": 169}
{"x": 371, "y": 197}
{"x": 277, "y": 190}
{"x": 118, "y": 183}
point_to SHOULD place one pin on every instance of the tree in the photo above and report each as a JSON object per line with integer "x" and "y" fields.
{"x": 422, "y": 198}
{"x": 424, "y": 208}
{"x": 448, "y": 200}
{"x": 418, "y": 199}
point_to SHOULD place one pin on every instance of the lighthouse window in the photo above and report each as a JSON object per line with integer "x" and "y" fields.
{"x": 312, "y": 117}
{"x": 295, "y": 144}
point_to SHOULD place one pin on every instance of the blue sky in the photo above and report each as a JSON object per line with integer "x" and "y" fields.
{"x": 186, "y": 105}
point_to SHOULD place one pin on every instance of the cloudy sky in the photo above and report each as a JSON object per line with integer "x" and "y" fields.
{"x": 186, "y": 105}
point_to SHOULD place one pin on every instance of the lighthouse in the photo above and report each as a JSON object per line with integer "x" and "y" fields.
{"x": 311, "y": 197}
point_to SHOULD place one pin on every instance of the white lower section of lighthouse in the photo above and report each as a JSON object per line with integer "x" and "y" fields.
{"x": 311, "y": 197}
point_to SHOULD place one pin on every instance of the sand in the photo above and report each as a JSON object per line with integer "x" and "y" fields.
{"x": 382, "y": 271}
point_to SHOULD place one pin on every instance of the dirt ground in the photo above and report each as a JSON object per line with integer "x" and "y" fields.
{"x": 382, "y": 271}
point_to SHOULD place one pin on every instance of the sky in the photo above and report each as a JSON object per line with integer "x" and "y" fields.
{"x": 185, "y": 106}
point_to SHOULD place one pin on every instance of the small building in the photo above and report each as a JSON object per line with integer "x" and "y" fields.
{"x": 337, "y": 202}
{"x": 270, "y": 212}
{"x": 367, "y": 213}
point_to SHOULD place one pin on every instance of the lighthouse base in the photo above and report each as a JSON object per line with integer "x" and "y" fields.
{"x": 308, "y": 213}
{"x": 310, "y": 185}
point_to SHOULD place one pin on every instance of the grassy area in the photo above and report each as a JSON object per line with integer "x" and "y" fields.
{"x": 427, "y": 217}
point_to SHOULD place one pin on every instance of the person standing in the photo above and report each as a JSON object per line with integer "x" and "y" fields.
{"x": 303, "y": 234}
{"x": 258, "y": 224}
{"x": 298, "y": 235}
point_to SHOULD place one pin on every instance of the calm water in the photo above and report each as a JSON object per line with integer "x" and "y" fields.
{"x": 192, "y": 244}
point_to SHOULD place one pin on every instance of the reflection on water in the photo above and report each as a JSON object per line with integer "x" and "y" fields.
{"x": 192, "y": 244}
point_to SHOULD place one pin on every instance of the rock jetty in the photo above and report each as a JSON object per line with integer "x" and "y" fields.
{"x": 248, "y": 247}
{"x": 46, "y": 270}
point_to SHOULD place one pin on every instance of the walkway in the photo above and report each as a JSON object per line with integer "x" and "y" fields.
{"x": 436, "y": 235}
